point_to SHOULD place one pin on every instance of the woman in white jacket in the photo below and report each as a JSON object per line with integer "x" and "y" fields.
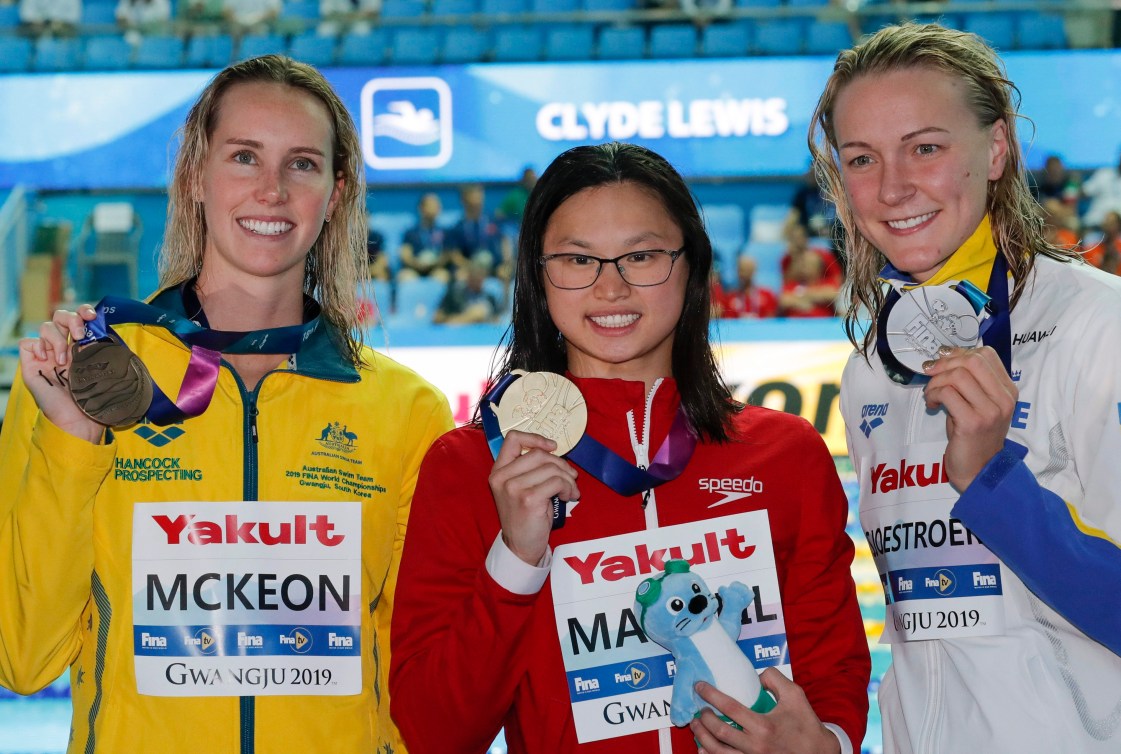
{"x": 983, "y": 408}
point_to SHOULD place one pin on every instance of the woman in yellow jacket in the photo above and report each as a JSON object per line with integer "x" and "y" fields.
{"x": 194, "y": 615}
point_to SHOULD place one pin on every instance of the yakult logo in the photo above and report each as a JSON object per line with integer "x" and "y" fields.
{"x": 732, "y": 489}
{"x": 890, "y": 479}
{"x": 232, "y": 530}
{"x": 712, "y": 547}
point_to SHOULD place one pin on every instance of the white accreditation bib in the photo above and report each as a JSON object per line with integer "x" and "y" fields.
{"x": 240, "y": 599}
{"x": 939, "y": 579}
{"x": 619, "y": 681}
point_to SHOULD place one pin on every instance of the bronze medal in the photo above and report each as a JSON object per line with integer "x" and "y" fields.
{"x": 109, "y": 383}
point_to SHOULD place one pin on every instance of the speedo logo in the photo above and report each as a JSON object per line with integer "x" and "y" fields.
{"x": 733, "y": 489}
{"x": 890, "y": 479}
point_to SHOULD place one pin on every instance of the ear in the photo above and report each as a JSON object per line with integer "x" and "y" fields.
{"x": 336, "y": 193}
{"x": 998, "y": 149}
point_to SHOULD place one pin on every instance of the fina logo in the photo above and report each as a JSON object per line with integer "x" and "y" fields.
{"x": 636, "y": 675}
{"x": 945, "y": 583}
{"x": 205, "y": 642}
{"x": 157, "y": 437}
{"x": 336, "y": 436}
{"x": 298, "y": 639}
{"x": 406, "y": 123}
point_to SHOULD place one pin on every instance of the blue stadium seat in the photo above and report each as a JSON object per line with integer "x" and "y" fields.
{"x": 1042, "y": 31}
{"x": 53, "y": 54}
{"x": 255, "y": 45}
{"x": 417, "y": 301}
{"x": 302, "y": 10}
{"x": 107, "y": 53}
{"x": 554, "y": 6}
{"x": 781, "y": 36}
{"x": 465, "y": 44}
{"x": 500, "y": 7}
{"x": 998, "y": 29}
{"x": 415, "y": 46}
{"x": 768, "y": 259}
{"x": 622, "y": 43}
{"x": 9, "y": 16}
{"x": 766, "y": 222}
{"x": 730, "y": 40}
{"x": 673, "y": 41}
{"x": 159, "y": 52}
{"x": 806, "y": 3}
{"x": 392, "y": 226}
{"x": 15, "y": 54}
{"x": 604, "y": 6}
{"x": 313, "y": 49}
{"x": 517, "y": 43}
{"x": 454, "y": 7}
{"x": 209, "y": 51}
{"x": 403, "y": 8}
{"x": 726, "y": 228}
{"x": 363, "y": 49}
{"x": 99, "y": 14}
{"x": 570, "y": 42}
{"x": 828, "y": 38}
{"x": 758, "y": 3}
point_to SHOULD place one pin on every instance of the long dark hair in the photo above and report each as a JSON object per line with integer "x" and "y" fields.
{"x": 534, "y": 343}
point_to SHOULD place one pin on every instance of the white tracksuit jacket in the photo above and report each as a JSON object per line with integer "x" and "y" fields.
{"x": 1050, "y": 526}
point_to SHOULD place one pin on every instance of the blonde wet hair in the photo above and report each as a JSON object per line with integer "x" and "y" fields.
{"x": 336, "y": 268}
{"x": 1016, "y": 217}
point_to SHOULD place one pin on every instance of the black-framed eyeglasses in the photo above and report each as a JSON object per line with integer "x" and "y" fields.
{"x": 641, "y": 268}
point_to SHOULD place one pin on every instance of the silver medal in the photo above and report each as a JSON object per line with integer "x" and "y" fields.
{"x": 927, "y": 318}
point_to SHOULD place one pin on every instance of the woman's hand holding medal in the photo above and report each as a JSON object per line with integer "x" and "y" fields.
{"x": 45, "y": 364}
{"x": 979, "y": 398}
{"x": 525, "y": 478}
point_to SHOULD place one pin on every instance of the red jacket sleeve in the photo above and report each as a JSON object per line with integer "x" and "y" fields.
{"x": 825, "y": 634}
{"x": 457, "y": 654}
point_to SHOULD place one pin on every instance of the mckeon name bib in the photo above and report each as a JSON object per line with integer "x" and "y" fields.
{"x": 939, "y": 579}
{"x": 235, "y": 599}
{"x": 620, "y": 682}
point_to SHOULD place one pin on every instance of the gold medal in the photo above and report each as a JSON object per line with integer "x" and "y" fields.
{"x": 109, "y": 383}
{"x": 545, "y": 404}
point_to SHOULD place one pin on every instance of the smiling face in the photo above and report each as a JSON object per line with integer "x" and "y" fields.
{"x": 267, "y": 184}
{"x": 916, "y": 164}
{"x": 611, "y": 328}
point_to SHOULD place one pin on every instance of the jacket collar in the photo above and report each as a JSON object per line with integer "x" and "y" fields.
{"x": 319, "y": 357}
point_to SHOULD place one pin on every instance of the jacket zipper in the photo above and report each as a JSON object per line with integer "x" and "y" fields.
{"x": 649, "y": 502}
{"x": 248, "y": 704}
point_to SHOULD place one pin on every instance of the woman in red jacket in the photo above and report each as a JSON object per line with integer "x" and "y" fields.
{"x": 612, "y": 290}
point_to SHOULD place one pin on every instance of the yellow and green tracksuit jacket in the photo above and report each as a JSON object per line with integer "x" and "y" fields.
{"x": 66, "y": 518}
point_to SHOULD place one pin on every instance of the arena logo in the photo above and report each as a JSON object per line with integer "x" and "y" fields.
{"x": 336, "y": 436}
{"x": 406, "y": 123}
{"x": 159, "y": 437}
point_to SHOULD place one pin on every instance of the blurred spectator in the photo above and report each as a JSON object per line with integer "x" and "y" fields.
{"x": 422, "y": 249}
{"x": 347, "y": 16}
{"x": 376, "y": 258}
{"x": 205, "y": 12}
{"x": 1106, "y": 253}
{"x": 811, "y": 277}
{"x": 476, "y": 236}
{"x": 139, "y": 17}
{"x": 812, "y": 210}
{"x": 747, "y": 300}
{"x": 1060, "y": 223}
{"x": 251, "y": 16}
{"x": 513, "y": 203}
{"x": 466, "y": 301}
{"x": 57, "y": 17}
{"x": 1055, "y": 182}
{"x": 1104, "y": 191}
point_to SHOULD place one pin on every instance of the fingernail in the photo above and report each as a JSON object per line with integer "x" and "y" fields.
{"x": 928, "y": 365}
{"x": 945, "y": 350}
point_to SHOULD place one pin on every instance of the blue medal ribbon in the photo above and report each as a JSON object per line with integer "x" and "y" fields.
{"x": 206, "y": 346}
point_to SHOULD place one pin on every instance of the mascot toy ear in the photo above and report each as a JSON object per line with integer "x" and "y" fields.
{"x": 650, "y": 589}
